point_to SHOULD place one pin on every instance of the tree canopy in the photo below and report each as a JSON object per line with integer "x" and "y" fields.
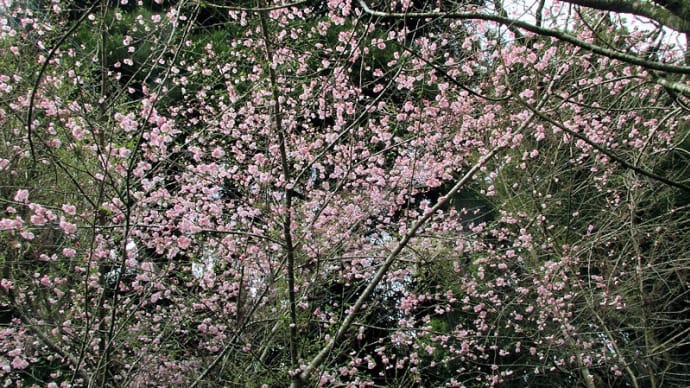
{"x": 344, "y": 193}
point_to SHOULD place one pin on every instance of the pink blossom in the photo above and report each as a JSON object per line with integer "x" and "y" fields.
{"x": 37, "y": 219}
{"x": 67, "y": 227}
{"x": 11, "y": 224}
{"x": 69, "y": 209}
{"x": 19, "y": 363}
{"x": 527, "y": 93}
{"x": 22, "y": 195}
{"x": 14, "y": 353}
{"x": 46, "y": 282}
{"x": 127, "y": 122}
{"x": 218, "y": 153}
{"x": 184, "y": 242}
{"x": 6, "y": 284}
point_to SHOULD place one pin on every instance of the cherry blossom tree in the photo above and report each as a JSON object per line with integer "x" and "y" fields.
{"x": 351, "y": 193}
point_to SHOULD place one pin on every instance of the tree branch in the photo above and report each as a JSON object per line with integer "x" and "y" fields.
{"x": 675, "y": 86}
{"x": 561, "y": 35}
{"x": 256, "y": 9}
{"x": 288, "y": 194}
{"x": 640, "y": 8}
